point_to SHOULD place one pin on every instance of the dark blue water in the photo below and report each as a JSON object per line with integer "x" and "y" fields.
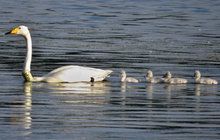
{"x": 179, "y": 36}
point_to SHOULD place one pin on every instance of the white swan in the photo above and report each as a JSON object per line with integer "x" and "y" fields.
{"x": 199, "y": 80}
{"x": 124, "y": 78}
{"x": 151, "y": 79}
{"x": 69, "y": 73}
{"x": 169, "y": 80}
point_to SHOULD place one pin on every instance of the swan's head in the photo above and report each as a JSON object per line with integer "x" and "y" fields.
{"x": 167, "y": 75}
{"x": 20, "y": 30}
{"x": 149, "y": 74}
{"x": 197, "y": 74}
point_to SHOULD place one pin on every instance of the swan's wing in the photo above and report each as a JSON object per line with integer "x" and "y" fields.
{"x": 76, "y": 74}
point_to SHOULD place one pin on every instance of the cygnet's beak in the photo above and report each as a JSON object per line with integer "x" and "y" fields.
{"x": 165, "y": 75}
{"x": 195, "y": 74}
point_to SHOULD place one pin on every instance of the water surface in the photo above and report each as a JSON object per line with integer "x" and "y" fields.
{"x": 180, "y": 36}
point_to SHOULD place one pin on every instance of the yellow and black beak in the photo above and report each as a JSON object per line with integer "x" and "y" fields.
{"x": 13, "y": 31}
{"x": 8, "y": 33}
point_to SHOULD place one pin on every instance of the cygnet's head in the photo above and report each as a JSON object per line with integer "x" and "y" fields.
{"x": 197, "y": 74}
{"x": 20, "y": 30}
{"x": 167, "y": 75}
{"x": 149, "y": 74}
{"x": 123, "y": 75}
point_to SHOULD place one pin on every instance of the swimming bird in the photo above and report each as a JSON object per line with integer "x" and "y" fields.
{"x": 70, "y": 73}
{"x": 169, "y": 80}
{"x": 124, "y": 78}
{"x": 151, "y": 79}
{"x": 199, "y": 80}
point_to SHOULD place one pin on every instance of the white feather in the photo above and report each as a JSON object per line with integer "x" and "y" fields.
{"x": 63, "y": 74}
{"x": 75, "y": 74}
{"x": 201, "y": 80}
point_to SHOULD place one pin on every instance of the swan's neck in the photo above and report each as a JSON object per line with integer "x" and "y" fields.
{"x": 28, "y": 76}
{"x": 27, "y": 65}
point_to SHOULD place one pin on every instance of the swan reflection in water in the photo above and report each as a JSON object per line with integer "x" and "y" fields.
{"x": 78, "y": 88}
{"x": 204, "y": 90}
{"x": 22, "y": 108}
{"x": 69, "y": 93}
{"x": 161, "y": 91}
{"x": 27, "y": 107}
{"x": 71, "y": 88}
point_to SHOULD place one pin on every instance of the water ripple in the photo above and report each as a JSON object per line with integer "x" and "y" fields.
{"x": 179, "y": 36}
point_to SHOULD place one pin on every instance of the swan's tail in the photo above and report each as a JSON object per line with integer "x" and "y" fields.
{"x": 108, "y": 72}
{"x": 102, "y": 76}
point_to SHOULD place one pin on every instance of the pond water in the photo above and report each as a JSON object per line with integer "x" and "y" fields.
{"x": 179, "y": 36}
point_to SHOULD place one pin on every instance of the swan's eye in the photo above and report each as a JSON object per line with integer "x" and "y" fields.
{"x": 19, "y": 28}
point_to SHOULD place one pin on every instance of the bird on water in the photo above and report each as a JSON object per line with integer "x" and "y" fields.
{"x": 169, "y": 80}
{"x": 151, "y": 79}
{"x": 70, "y": 73}
{"x": 124, "y": 78}
{"x": 203, "y": 80}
